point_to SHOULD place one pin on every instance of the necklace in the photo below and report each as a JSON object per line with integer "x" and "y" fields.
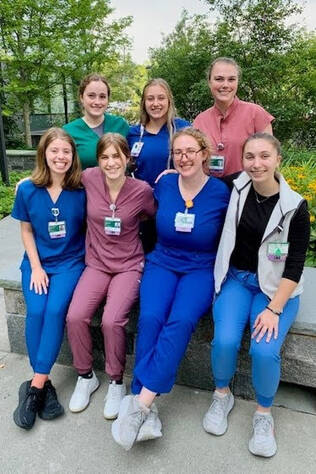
{"x": 260, "y": 201}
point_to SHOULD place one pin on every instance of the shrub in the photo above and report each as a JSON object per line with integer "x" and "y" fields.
{"x": 7, "y": 193}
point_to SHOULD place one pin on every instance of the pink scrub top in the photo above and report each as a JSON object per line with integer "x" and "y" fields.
{"x": 241, "y": 120}
{"x": 115, "y": 253}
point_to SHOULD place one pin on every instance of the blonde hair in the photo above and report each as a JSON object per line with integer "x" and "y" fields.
{"x": 144, "y": 117}
{"x": 41, "y": 175}
{"x": 202, "y": 140}
{"x": 226, "y": 60}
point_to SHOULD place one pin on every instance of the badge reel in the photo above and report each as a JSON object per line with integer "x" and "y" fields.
{"x": 217, "y": 162}
{"x": 112, "y": 225}
{"x": 56, "y": 229}
{"x": 184, "y": 221}
{"x": 278, "y": 251}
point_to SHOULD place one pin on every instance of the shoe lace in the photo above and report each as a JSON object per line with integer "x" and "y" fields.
{"x": 218, "y": 406}
{"x": 33, "y": 401}
{"x": 114, "y": 393}
{"x": 262, "y": 425}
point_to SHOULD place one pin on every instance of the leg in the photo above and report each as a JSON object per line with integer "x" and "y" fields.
{"x": 157, "y": 370}
{"x": 122, "y": 293}
{"x": 89, "y": 293}
{"x": 156, "y": 294}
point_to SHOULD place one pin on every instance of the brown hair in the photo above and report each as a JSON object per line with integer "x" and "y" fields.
{"x": 93, "y": 77}
{"x": 41, "y": 175}
{"x": 226, "y": 60}
{"x": 202, "y": 140}
{"x": 118, "y": 141}
{"x": 264, "y": 136}
{"x": 144, "y": 117}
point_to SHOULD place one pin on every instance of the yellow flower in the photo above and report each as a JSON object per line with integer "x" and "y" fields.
{"x": 301, "y": 176}
{"x": 308, "y": 197}
{"x": 312, "y": 218}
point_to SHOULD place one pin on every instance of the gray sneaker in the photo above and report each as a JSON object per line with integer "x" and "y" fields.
{"x": 151, "y": 428}
{"x": 263, "y": 441}
{"x": 130, "y": 418}
{"x": 215, "y": 419}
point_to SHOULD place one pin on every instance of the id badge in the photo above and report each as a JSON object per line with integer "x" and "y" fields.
{"x": 217, "y": 163}
{"x": 136, "y": 149}
{"x": 278, "y": 251}
{"x": 57, "y": 229}
{"x": 184, "y": 222}
{"x": 112, "y": 225}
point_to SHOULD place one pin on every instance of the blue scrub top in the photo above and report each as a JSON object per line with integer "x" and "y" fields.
{"x": 153, "y": 158}
{"x": 187, "y": 251}
{"x": 33, "y": 204}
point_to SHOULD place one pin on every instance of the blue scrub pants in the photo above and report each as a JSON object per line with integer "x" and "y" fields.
{"x": 239, "y": 302}
{"x": 171, "y": 305}
{"x": 45, "y": 317}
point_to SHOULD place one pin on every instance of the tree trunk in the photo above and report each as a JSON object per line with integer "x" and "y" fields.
{"x": 65, "y": 98}
{"x": 27, "y": 125}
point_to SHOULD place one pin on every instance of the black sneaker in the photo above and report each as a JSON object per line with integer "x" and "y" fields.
{"x": 30, "y": 401}
{"x": 51, "y": 407}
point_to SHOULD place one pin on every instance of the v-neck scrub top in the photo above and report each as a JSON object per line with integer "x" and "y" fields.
{"x": 153, "y": 157}
{"x": 33, "y": 204}
{"x": 115, "y": 253}
{"x": 188, "y": 251}
{"x": 86, "y": 138}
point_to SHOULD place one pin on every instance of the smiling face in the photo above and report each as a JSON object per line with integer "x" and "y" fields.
{"x": 113, "y": 163}
{"x": 260, "y": 160}
{"x": 95, "y": 99}
{"x": 223, "y": 83}
{"x": 59, "y": 156}
{"x": 188, "y": 158}
{"x": 156, "y": 102}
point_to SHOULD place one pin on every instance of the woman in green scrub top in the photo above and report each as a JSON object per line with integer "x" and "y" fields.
{"x": 94, "y": 94}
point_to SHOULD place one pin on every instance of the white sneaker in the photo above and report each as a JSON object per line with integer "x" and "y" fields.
{"x": 113, "y": 400}
{"x": 81, "y": 396}
{"x": 263, "y": 441}
{"x": 151, "y": 428}
{"x": 215, "y": 419}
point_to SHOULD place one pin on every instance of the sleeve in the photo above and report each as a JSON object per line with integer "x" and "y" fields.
{"x": 124, "y": 129}
{"x": 262, "y": 118}
{"x": 19, "y": 210}
{"x": 157, "y": 188}
{"x": 149, "y": 206}
{"x": 298, "y": 238}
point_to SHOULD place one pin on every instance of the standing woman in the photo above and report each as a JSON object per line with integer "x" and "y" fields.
{"x": 230, "y": 121}
{"x": 177, "y": 286}
{"x": 258, "y": 280}
{"x": 52, "y": 208}
{"x": 149, "y": 141}
{"x": 115, "y": 260}
{"x": 94, "y": 95}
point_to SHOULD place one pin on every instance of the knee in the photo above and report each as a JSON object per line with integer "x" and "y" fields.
{"x": 225, "y": 344}
{"x": 264, "y": 353}
{"x": 149, "y": 321}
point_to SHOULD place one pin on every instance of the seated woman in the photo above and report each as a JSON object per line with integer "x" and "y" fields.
{"x": 177, "y": 286}
{"x": 115, "y": 261}
{"x": 52, "y": 209}
{"x": 258, "y": 280}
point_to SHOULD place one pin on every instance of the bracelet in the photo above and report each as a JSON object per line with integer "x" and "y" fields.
{"x": 277, "y": 313}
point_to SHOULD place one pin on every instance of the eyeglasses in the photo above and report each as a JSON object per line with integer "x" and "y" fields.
{"x": 188, "y": 153}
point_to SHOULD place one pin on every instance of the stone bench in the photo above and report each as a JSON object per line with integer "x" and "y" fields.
{"x": 299, "y": 351}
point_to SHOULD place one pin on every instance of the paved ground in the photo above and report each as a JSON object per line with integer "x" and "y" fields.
{"x": 82, "y": 443}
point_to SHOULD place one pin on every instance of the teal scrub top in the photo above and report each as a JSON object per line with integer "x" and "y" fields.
{"x": 86, "y": 139}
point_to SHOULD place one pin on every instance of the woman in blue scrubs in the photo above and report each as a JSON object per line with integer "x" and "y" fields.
{"x": 149, "y": 141}
{"x": 178, "y": 284}
{"x": 52, "y": 209}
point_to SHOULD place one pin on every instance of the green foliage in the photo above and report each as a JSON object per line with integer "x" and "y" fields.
{"x": 277, "y": 59}
{"x": 7, "y": 193}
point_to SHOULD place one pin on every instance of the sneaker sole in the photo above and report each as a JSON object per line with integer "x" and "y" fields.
{"x": 222, "y": 432}
{"x": 16, "y": 414}
{"x": 79, "y": 410}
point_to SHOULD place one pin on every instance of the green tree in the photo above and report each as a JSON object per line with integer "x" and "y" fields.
{"x": 44, "y": 42}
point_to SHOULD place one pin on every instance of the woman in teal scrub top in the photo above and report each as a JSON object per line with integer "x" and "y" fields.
{"x": 94, "y": 94}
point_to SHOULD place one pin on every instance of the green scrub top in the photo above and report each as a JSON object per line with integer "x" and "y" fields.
{"x": 86, "y": 139}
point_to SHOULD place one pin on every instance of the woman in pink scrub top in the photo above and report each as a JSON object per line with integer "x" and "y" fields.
{"x": 230, "y": 121}
{"x": 114, "y": 265}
